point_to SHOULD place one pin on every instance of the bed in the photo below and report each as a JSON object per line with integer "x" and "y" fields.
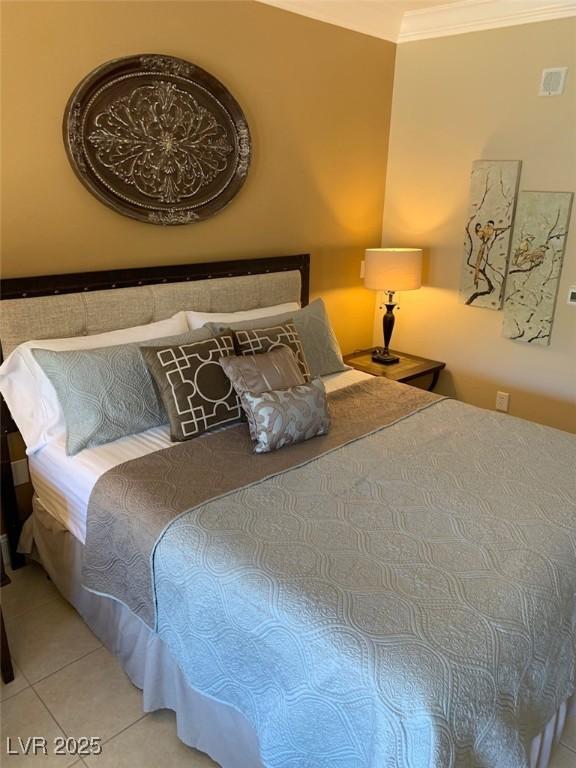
{"x": 408, "y": 585}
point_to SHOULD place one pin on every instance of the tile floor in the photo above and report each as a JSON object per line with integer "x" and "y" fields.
{"x": 68, "y": 684}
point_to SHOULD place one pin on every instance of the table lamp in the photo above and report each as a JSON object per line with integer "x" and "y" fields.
{"x": 391, "y": 270}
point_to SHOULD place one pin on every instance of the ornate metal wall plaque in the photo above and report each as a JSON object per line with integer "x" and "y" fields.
{"x": 157, "y": 138}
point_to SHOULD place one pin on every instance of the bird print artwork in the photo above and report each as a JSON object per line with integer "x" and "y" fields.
{"x": 525, "y": 253}
{"x": 522, "y": 249}
{"x": 538, "y": 244}
{"x": 493, "y": 192}
{"x": 484, "y": 234}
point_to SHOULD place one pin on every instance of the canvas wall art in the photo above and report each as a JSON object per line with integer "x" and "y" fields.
{"x": 493, "y": 190}
{"x": 537, "y": 252}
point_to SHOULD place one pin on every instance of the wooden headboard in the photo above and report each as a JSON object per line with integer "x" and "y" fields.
{"x": 22, "y": 288}
{"x": 77, "y": 282}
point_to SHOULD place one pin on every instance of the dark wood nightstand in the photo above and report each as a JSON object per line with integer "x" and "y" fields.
{"x": 409, "y": 368}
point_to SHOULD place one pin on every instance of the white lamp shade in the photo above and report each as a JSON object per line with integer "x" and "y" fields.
{"x": 393, "y": 269}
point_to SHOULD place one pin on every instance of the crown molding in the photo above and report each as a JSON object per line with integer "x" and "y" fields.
{"x": 478, "y": 15}
{"x": 376, "y": 18}
{"x": 387, "y": 20}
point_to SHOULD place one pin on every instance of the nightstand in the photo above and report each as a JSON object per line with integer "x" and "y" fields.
{"x": 409, "y": 368}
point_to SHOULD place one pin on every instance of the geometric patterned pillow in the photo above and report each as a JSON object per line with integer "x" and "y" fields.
{"x": 197, "y": 394}
{"x": 258, "y": 340}
{"x": 312, "y": 323}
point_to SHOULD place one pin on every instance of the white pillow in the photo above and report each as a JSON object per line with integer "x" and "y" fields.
{"x": 29, "y": 394}
{"x": 199, "y": 319}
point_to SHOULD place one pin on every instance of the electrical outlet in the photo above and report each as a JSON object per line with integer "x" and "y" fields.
{"x": 502, "y": 401}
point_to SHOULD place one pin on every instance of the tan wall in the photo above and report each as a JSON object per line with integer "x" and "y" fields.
{"x": 456, "y": 100}
{"x": 317, "y": 99}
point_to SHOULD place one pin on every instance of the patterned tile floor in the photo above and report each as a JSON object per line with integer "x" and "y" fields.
{"x": 68, "y": 684}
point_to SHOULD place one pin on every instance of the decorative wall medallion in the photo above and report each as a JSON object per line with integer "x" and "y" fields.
{"x": 157, "y": 138}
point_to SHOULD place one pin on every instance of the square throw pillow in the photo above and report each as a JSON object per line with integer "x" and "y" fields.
{"x": 258, "y": 340}
{"x": 197, "y": 394}
{"x": 312, "y": 323}
{"x": 277, "y": 369}
{"x": 106, "y": 393}
{"x": 284, "y": 417}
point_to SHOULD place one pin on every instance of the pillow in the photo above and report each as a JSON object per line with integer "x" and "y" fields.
{"x": 106, "y": 393}
{"x": 284, "y": 417}
{"x": 29, "y": 393}
{"x": 197, "y": 394}
{"x": 321, "y": 347}
{"x": 198, "y": 319}
{"x": 277, "y": 369}
{"x": 258, "y": 340}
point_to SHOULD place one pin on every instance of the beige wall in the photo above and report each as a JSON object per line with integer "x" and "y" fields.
{"x": 317, "y": 99}
{"x": 456, "y": 100}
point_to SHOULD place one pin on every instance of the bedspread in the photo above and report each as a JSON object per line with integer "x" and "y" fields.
{"x": 135, "y": 501}
{"x": 407, "y": 601}
{"x": 403, "y": 600}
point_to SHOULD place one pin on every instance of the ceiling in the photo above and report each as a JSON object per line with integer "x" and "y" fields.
{"x": 406, "y": 20}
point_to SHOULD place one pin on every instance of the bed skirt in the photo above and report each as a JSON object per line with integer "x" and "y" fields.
{"x": 208, "y": 725}
{"x": 202, "y": 722}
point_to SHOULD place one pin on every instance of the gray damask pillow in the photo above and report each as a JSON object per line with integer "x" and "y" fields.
{"x": 284, "y": 417}
{"x": 320, "y": 345}
{"x": 196, "y": 392}
{"x": 107, "y": 393}
{"x": 277, "y": 369}
{"x": 260, "y": 340}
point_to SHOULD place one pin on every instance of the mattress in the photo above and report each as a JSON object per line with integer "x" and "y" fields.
{"x": 64, "y": 483}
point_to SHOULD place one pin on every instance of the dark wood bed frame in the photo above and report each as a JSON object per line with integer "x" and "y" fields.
{"x": 49, "y": 285}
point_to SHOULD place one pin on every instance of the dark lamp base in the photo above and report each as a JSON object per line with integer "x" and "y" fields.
{"x": 383, "y": 357}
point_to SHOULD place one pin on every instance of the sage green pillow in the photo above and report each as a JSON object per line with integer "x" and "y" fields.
{"x": 312, "y": 323}
{"x": 107, "y": 393}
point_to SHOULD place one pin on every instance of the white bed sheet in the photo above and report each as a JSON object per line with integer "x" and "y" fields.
{"x": 64, "y": 483}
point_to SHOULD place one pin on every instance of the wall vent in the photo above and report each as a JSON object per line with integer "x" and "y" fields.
{"x": 553, "y": 81}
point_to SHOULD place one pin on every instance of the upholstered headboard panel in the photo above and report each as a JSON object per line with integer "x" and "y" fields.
{"x": 55, "y": 306}
{"x": 95, "y": 311}
{"x": 80, "y": 314}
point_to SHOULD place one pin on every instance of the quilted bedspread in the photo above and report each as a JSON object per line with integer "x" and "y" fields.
{"x": 405, "y": 601}
{"x": 134, "y": 502}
